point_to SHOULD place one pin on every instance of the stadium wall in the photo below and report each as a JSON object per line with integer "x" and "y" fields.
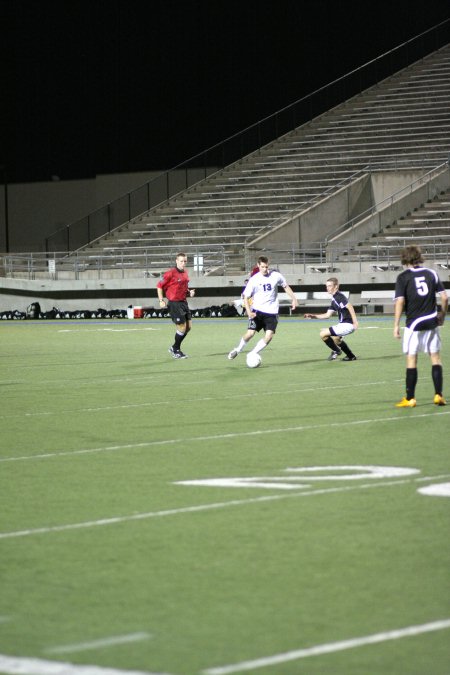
{"x": 69, "y": 295}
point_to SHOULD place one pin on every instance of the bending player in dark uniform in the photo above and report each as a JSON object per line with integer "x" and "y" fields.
{"x": 348, "y": 322}
{"x": 175, "y": 285}
{"x": 415, "y": 292}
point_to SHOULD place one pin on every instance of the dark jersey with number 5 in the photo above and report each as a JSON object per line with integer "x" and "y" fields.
{"x": 418, "y": 286}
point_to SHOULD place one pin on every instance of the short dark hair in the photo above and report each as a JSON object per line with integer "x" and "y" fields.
{"x": 263, "y": 259}
{"x": 411, "y": 255}
{"x": 181, "y": 255}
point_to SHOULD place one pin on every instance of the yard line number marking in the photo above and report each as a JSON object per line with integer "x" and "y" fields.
{"x": 437, "y": 490}
{"x": 205, "y": 507}
{"x": 302, "y": 474}
{"x": 17, "y": 665}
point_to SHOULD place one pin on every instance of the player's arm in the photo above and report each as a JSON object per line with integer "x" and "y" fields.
{"x": 351, "y": 309}
{"x": 444, "y": 307}
{"x": 248, "y": 307}
{"x": 291, "y": 294}
{"x": 398, "y": 311}
{"x": 325, "y": 315}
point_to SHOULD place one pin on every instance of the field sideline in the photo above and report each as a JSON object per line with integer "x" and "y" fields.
{"x": 197, "y": 517}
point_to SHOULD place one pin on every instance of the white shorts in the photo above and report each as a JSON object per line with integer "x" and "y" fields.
{"x": 342, "y": 329}
{"x": 427, "y": 341}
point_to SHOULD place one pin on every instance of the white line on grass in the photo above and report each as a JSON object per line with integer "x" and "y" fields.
{"x": 125, "y": 406}
{"x": 330, "y": 648}
{"x": 389, "y": 328}
{"x": 236, "y": 434}
{"x": 99, "y": 644}
{"x": 199, "y": 508}
{"x": 111, "y": 330}
{"x": 162, "y": 380}
{"x": 19, "y": 665}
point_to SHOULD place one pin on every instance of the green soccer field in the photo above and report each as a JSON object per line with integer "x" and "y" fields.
{"x": 197, "y": 517}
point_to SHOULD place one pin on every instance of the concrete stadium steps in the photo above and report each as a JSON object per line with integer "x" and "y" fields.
{"x": 402, "y": 122}
{"x": 427, "y": 226}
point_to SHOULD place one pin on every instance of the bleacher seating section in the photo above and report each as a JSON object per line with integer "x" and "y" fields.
{"x": 402, "y": 122}
{"x": 427, "y": 226}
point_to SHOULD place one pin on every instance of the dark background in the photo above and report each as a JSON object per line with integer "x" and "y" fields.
{"x": 112, "y": 86}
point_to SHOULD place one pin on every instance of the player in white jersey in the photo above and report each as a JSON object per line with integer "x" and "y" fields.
{"x": 262, "y": 291}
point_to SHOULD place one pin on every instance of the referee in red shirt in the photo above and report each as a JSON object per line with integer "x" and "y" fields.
{"x": 175, "y": 286}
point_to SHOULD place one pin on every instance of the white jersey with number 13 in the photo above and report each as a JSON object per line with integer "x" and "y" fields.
{"x": 264, "y": 291}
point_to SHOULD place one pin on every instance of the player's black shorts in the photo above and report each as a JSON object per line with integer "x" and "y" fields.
{"x": 262, "y": 320}
{"x": 179, "y": 311}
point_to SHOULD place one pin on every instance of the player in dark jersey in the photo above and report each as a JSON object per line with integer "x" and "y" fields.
{"x": 175, "y": 285}
{"x": 415, "y": 293}
{"x": 348, "y": 322}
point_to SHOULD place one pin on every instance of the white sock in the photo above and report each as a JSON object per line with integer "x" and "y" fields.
{"x": 259, "y": 347}
{"x": 241, "y": 345}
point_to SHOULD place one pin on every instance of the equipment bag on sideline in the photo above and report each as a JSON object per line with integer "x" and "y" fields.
{"x": 33, "y": 311}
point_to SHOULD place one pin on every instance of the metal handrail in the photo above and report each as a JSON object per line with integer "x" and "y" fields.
{"x": 33, "y": 264}
{"x": 203, "y": 262}
{"x": 376, "y": 208}
{"x": 169, "y": 183}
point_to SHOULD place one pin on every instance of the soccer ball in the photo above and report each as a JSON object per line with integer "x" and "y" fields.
{"x": 253, "y": 360}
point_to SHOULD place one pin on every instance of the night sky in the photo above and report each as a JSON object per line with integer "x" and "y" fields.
{"x": 112, "y": 86}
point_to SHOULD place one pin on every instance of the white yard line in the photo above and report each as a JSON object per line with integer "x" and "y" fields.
{"x": 18, "y": 665}
{"x": 407, "y": 416}
{"x": 99, "y": 644}
{"x": 200, "y": 508}
{"x": 162, "y": 380}
{"x": 329, "y": 648}
{"x": 109, "y": 329}
{"x": 125, "y": 406}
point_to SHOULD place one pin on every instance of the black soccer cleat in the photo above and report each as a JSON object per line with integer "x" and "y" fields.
{"x": 350, "y": 358}
{"x": 175, "y": 354}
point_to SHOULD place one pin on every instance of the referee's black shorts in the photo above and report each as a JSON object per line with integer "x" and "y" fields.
{"x": 179, "y": 311}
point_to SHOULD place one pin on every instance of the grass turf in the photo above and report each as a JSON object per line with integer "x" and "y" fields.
{"x": 99, "y": 538}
